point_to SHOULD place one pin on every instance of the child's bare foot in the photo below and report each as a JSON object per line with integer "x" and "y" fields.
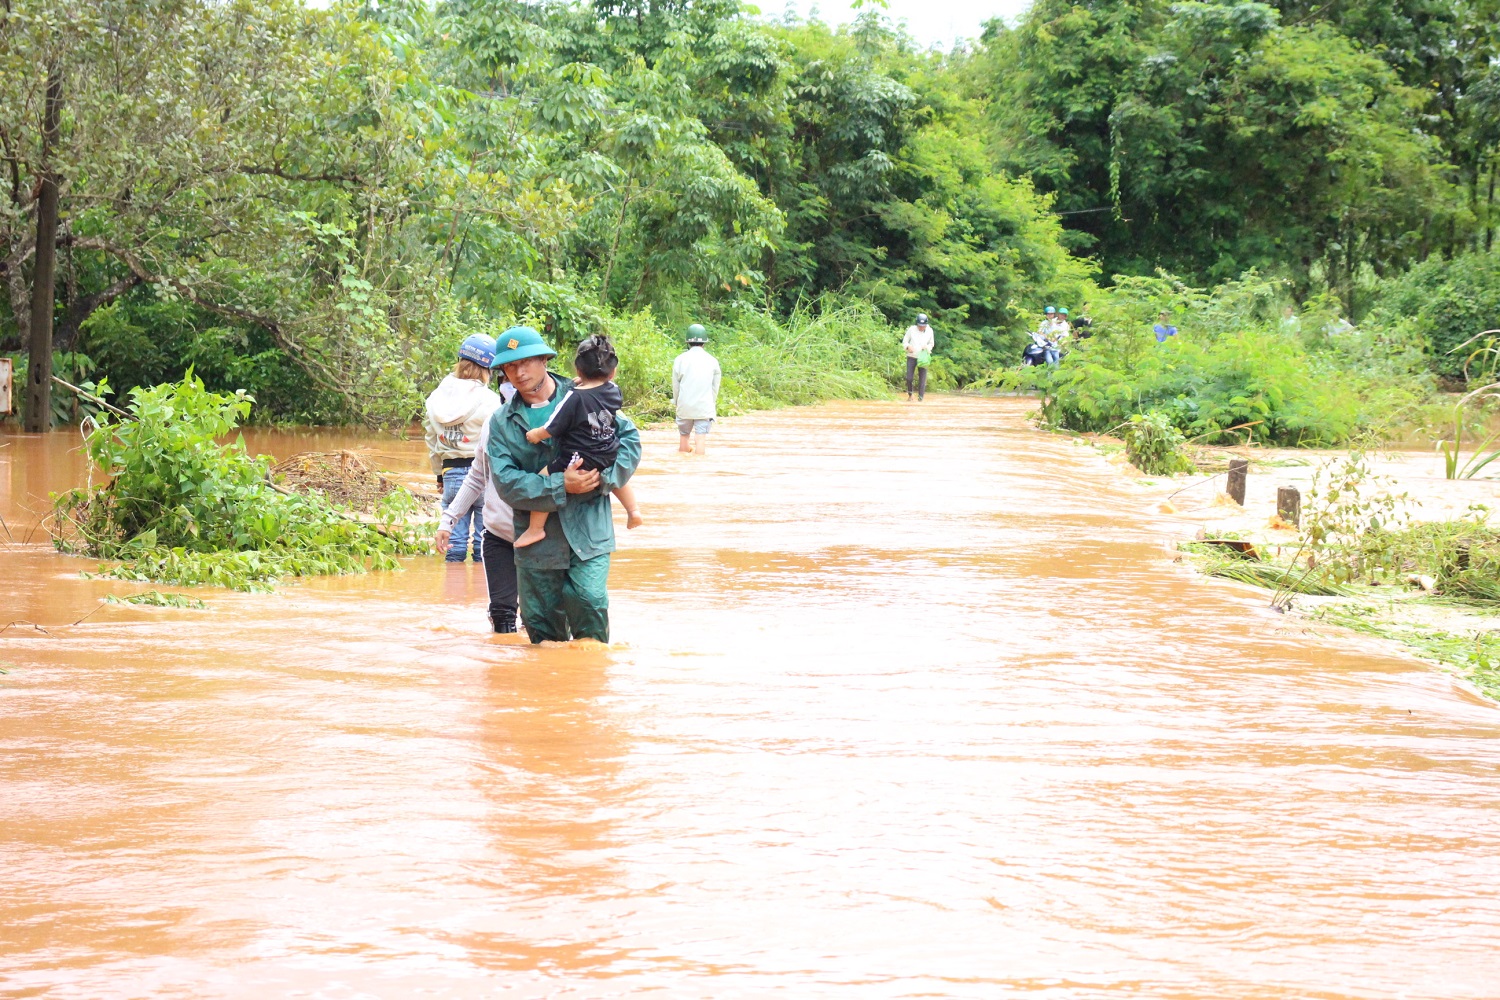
{"x": 530, "y": 537}
{"x": 633, "y": 519}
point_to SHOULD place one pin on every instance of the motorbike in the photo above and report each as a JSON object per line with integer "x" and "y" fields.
{"x": 1041, "y": 351}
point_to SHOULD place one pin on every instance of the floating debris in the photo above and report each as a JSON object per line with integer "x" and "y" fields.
{"x": 342, "y": 477}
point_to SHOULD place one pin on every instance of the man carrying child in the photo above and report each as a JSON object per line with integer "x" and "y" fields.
{"x": 563, "y": 577}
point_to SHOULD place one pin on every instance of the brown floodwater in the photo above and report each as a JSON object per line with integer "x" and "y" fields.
{"x": 906, "y": 701}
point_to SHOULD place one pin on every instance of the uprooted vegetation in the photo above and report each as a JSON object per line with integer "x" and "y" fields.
{"x": 179, "y": 507}
{"x": 341, "y": 477}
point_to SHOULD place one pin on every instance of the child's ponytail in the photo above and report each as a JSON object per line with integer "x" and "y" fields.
{"x": 596, "y": 357}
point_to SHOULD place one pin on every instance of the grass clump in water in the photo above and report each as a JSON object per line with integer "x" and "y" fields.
{"x": 181, "y": 508}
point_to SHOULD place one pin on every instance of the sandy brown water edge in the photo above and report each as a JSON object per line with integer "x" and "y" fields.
{"x": 906, "y": 701}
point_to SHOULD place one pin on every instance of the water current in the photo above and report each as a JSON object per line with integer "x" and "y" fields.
{"x": 905, "y": 701}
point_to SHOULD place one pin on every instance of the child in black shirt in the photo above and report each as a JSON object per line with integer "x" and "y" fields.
{"x": 584, "y": 425}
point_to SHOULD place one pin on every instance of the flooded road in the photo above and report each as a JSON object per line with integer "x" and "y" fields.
{"x": 905, "y": 702}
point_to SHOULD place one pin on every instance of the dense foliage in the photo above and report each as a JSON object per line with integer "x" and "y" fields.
{"x": 315, "y": 202}
{"x": 1330, "y": 142}
{"x": 179, "y": 507}
{"x": 1447, "y": 304}
{"x": 1236, "y": 371}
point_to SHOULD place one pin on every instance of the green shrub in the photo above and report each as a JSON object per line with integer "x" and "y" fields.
{"x": 1233, "y": 372}
{"x": 1444, "y": 303}
{"x": 143, "y": 340}
{"x": 181, "y": 508}
{"x": 1154, "y": 445}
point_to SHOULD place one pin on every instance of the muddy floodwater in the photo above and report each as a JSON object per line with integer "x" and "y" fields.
{"x": 906, "y": 701}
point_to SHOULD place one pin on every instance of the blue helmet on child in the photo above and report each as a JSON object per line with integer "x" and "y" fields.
{"x": 478, "y": 348}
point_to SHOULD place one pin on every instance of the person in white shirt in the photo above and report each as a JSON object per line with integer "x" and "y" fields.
{"x": 695, "y": 391}
{"x": 918, "y": 343}
{"x": 456, "y": 409}
{"x": 1062, "y": 329}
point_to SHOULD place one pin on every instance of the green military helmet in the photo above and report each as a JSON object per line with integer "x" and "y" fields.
{"x": 521, "y": 342}
{"x": 696, "y": 334}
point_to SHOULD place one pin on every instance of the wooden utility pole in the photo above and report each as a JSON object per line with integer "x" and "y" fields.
{"x": 1239, "y": 468}
{"x": 44, "y": 272}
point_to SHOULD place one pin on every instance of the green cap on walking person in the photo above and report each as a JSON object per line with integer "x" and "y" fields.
{"x": 696, "y": 378}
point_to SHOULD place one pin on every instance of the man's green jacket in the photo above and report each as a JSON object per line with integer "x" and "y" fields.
{"x": 582, "y": 526}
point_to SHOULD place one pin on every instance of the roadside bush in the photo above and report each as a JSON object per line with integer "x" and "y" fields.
{"x": 1444, "y": 303}
{"x": 1232, "y": 373}
{"x": 181, "y": 508}
{"x": 1154, "y": 445}
{"x": 1356, "y": 532}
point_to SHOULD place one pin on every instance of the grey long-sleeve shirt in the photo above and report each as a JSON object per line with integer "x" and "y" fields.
{"x": 497, "y": 516}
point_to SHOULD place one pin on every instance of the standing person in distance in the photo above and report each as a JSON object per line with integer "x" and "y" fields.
{"x": 918, "y": 343}
{"x": 695, "y": 391}
{"x": 1163, "y": 328}
{"x": 455, "y": 412}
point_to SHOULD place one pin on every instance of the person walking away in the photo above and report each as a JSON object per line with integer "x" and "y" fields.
{"x": 499, "y": 529}
{"x": 1163, "y": 329}
{"x": 563, "y": 579}
{"x": 918, "y": 344}
{"x": 455, "y": 411}
{"x": 695, "y": 392}
{"x": 584, "y": 425}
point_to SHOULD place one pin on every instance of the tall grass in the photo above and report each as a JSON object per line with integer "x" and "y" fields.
{"x": 824, "y": 350}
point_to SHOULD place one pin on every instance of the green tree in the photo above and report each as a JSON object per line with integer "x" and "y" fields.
{"x": 1209, "y": 138}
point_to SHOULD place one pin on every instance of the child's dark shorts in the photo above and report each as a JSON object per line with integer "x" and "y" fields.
{"x": 594, "y": 460}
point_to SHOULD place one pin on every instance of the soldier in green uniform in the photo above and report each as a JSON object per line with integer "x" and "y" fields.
{"x": 563, "y": 578}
